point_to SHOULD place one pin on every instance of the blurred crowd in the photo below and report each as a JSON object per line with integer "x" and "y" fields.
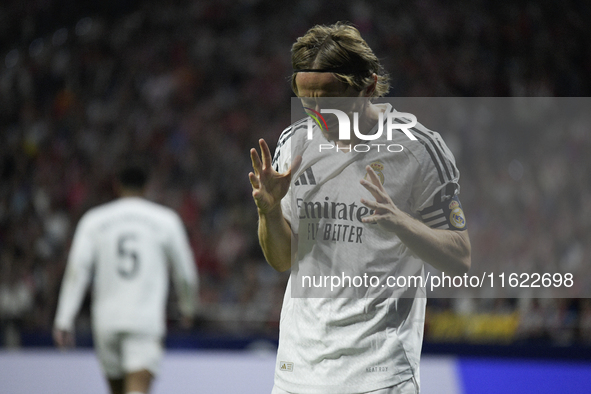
{"x": 191, "y": 86}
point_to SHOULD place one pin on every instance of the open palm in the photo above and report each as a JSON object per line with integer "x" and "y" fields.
{"x": 268, "y": 186}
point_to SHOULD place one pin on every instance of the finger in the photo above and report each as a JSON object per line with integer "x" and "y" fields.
{"x": 373, "y": 204}
{"x": 374, "y": 190}
{"x": 254, "y": 180}
{"x": 256, "y": 193}
{"x": 371, "y": 219}
{"x": 373, "y": 177}
{"x": 256, "y": 161}
{"x": 265, "y": 154}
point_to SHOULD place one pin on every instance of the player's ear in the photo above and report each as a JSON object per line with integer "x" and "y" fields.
{"x": 370, "y": 89}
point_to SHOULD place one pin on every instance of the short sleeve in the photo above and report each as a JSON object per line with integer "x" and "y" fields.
{"x": 436, "y": 188}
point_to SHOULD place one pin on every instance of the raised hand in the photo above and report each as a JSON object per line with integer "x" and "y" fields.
{"x": 386, "y": 213}
{"x": 268, "y": 186}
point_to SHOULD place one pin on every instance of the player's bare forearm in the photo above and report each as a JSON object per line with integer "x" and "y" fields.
{"x": 268, "y": 188}
{"x": 446, "y": 250}
{"x": 275, "y": 239}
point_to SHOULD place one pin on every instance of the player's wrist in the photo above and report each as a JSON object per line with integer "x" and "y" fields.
{"x": 273, "y": 212}
{"x": 400, "y": 222}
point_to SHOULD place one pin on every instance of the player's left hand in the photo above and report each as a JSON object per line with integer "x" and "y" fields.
{"x": 386, "y": 213}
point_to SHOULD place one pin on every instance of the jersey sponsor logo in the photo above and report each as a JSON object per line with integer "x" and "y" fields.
{"x": 285, "y": 366}
{"x": 335, "y": 232}
{"x": 377, "y": 167}
{"x": 456, "y": 217}
{"x": 332, "y": 210}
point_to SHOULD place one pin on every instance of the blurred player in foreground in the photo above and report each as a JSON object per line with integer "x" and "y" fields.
{"x": 404, "y": 209}
{"x": 125, "y": 247}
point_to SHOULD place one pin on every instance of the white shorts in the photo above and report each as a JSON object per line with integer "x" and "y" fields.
{"x": 120, "y": 353}
{"x": 407, "y": 387}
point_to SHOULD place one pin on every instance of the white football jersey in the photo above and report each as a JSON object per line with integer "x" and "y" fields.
{"x": 357, "y": 339}
{"x": 124, "y": 246}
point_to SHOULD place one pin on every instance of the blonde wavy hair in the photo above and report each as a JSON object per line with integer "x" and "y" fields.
{"x": 339, "y": 47}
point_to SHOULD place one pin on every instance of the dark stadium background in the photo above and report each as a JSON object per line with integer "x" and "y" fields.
{"x": 192, "y": 86}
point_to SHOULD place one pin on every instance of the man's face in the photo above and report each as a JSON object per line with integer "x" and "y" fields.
{"x": 324, "y": 90}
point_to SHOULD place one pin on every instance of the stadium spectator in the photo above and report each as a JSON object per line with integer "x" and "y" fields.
{"x": 192, "y": 85}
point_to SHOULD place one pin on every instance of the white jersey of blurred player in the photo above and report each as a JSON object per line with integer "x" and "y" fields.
{"x": 124, "y": 246}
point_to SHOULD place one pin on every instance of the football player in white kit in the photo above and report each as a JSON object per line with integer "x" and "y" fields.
{"x": 126, "y": 248}
{"x": 404, "y": 210}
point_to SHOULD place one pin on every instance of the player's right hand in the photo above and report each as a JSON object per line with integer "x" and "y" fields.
{"x": 268, "y": 186}
{"x": 63, "y": 339}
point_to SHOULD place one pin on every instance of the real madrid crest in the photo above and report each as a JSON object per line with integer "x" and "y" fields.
{"x": 377, "y": 167}
{"x": 456, "y": 217}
